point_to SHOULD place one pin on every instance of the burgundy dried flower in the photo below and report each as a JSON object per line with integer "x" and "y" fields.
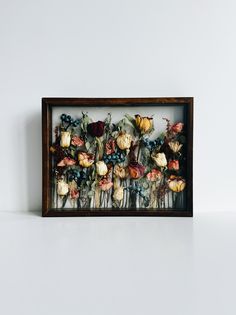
{"x": 96, "y": 129}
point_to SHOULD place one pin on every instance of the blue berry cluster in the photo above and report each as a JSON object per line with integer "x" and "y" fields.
{"x": 117, "y": 157}
{"x": 136, "y": 189}
{"x": 152, "y": 144}
{"x": 76, "y": 176}
{"x": 139, "y": 191}
{"x": 68, "y": 119}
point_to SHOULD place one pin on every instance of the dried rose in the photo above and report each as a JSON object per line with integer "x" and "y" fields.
{"x": 175, "y": 146}
{"x": 73, "y": 189}
{"x": 124, "y": 140}
{"x": 74, "y": 194}
{"x": 120, "y": 171}
{"x": 96, "y": 129}
{"x": 65, "y": 139}
{"x": 177, "y": 127}
{"x": 110, "y": 147}
{"x": 52, "y": 149}
{"x": 101, "y": 168}
{"x": 77, "y": 141}
{"x": 105, "y": 184}
{"x": 136, "y": 170}
{"x": 62, "y": 188}
{"x": 154, "y": 175}
{"x": 160, "y": 159}
{"x": 173, "y": 165}
{"x": 85, "y": 159}
{"x": 66, "y": 162}
{"x": 144, "y": 124}
{"x": 118, "y": 193}
{"x": 176, "y": 183}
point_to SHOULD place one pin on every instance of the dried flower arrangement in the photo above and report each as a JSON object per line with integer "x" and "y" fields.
{"x": 104, "y": 165}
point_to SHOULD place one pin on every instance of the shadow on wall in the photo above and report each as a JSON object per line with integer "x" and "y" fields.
{"x": 33, "y": 162}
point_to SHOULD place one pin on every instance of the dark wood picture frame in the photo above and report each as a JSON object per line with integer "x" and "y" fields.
{"x": 47, "y": 106}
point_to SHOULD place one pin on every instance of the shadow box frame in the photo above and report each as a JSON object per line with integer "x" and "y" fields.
{"x": 47, "y": 106}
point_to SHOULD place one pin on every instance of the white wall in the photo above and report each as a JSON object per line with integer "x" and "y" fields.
{"x": 117, "y": 48}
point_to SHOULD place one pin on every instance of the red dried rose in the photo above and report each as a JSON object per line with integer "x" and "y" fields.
{"x": 96, "y": 129}
{"x": 173, "y": 165}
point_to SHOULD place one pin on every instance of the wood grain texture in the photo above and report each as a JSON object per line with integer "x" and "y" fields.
{"x": 47, "y": 105}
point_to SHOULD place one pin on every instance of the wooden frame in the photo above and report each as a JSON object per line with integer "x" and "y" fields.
{"x": 47, "y": 106}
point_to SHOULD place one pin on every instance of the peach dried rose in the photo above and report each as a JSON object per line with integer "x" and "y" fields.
{"x": 77, "y": 141}
{"x": 105, "y": 184}
{"x": 66, "y": 162}
{"x": 154, "y": 175}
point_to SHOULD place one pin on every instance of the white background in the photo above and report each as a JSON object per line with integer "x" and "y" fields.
{"x": 125, "y": 48}
{"x": 117, "y": 48}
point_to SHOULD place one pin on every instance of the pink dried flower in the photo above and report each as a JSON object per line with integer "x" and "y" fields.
{"x": 66, "y": 162}
{"x": 74, "y": 193}
{"x": 77, "y": 141}
{"x": 105, "y": 184}
{"x": 154, "y": 175}
{"x": 177, "y": 127}
{"x": 110, "y": 147}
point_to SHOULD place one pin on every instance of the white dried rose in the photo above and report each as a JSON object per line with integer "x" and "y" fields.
{"x": 65, "y": 139}
{"x": 175, "y": 146}
{"x": 101, "y": 168}
{"x": 118, "y": 193}
{"x": 62, "y": 188}
{"x": 160, "y": 159}
{"x": 124, "y": 140}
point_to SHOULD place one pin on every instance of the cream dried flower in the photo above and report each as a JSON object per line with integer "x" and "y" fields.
{"x": 160, "y": 159}
{"x": 101, "y": 168}
{"x": 65, "y": 139}
{"x": 124, "y": 140}
{"x": 62, "y": 187}
{"x": 175, "y": 146}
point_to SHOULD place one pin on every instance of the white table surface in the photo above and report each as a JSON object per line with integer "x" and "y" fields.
{"x": 86, "y": 266}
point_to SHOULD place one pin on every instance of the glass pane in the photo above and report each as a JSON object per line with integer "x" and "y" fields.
{"x": 118, "y": 157}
